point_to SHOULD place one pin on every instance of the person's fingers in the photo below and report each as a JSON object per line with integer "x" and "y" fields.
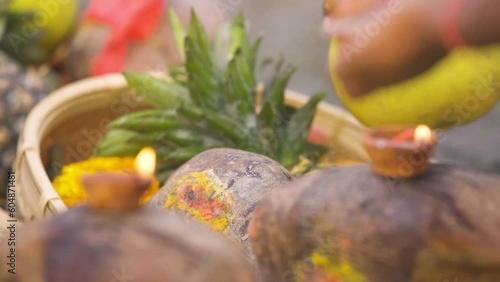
{"x": 357, "y": 88}
{"x": 349, "y": 8}
{"x": 398, "y": 51}
{"x": 351, "y": 72}
{"x": 338, "y": 9}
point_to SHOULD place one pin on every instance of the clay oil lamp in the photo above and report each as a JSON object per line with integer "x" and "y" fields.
{"x": 103, "y": 186}
{"x": 400, "y": 151}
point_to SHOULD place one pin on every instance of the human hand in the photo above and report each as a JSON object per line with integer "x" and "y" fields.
{"x": 396, "y": 40}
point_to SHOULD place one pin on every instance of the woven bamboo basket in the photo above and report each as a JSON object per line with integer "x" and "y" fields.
{"x": 76, "y": 115}
{"x": 5, "y": 223}
{"x": 3, "y": 218}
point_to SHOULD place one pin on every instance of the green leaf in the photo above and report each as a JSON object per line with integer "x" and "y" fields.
{"x": 175, "y": 138}
{"x": 179, "y": 75}
{"x": 274, "y": 92}
{"x": 179, "y": 32}
{"x": 212, "y": 123}
{"x": 157, "y": 92}
{"x": 117, "y": 143}
{"x": 314, "y": 151}
{"x": 115, "y": 135}
{"x": 241, "y": 86}
{"x": 240, "y": 89}
{"x": 146, "y": 121}
{"x": 204, "y": 79}
{"x": 269, "y": 135}
{"x": 120, "y": 150}
{"x": 199, "y": 36}
{"x": 288, "y": 112}
{"x": 240, "y": 42}
{"x": 239, "y": 38}
{"x": 297, "y": 131}
{"x": 222, "y": 45}
{"x": 179, "y": 155}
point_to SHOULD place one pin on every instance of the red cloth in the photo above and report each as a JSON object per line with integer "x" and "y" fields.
{"x": 129, "y": 21}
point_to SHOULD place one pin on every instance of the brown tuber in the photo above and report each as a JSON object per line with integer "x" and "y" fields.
{"x": 347, "y": 224}
{"x": 221, "y": 187}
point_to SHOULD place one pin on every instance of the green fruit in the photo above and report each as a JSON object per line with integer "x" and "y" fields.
{"x": 459, "y": 89}
{"x": 35, "y": 28}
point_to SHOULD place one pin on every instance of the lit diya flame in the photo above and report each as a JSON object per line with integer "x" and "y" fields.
{"x": 145, "y": 162}
{"x": 422, "y": 134}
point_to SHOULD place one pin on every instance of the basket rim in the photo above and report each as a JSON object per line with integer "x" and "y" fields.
{"x": 35, "y": 119}
{"x": 28, "y": 147}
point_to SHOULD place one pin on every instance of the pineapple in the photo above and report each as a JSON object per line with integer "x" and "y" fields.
{"x": 20, "y": 89}
{"x": 213, "y": 101}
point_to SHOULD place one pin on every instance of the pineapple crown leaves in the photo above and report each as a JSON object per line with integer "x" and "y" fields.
{"x": 206, "y": 104}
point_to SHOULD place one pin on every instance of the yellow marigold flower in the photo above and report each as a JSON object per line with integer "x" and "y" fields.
{"x": 68, "y": 185}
